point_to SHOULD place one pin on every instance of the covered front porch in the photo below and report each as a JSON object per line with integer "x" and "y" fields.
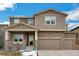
{"x": 21, "y": 37}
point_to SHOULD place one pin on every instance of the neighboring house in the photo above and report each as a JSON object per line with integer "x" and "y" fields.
{"x": 2, "y": 35}
{"x": 76, "y": 30}
{"x": 45, "y": 30}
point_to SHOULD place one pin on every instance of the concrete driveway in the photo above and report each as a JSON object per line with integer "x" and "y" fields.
{"x": 58, "y": 52}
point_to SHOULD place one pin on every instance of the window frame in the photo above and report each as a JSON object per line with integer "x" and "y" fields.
{"x": 18, "y": 39}
{"x": 30, "y": 22}
{"x": 16, "y": 22}
{"x": 50, "y": 20}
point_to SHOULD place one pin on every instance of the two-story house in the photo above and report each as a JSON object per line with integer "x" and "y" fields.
{"x": 45, "y": 30}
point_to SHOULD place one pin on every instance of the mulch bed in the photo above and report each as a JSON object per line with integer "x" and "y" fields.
{"x": 10, "y": 53}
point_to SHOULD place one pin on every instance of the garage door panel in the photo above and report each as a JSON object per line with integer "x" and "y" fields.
{"x": 49, "y": 44}
{"x": 67, "y": 44}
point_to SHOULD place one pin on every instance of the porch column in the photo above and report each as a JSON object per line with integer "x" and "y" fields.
{"x": 6, "y": 35}
{"x": 36, "y": 39}
{"x": 6, "y": 40}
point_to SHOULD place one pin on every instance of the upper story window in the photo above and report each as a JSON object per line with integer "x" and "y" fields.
{"x": 16, "y": 21}
{"x": 30, "y": 21}
{"x": 50, "y": 20}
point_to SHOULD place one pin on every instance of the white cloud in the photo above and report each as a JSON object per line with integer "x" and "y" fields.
{"x": 73, "y": 14}
{"x": 4, "y": 6}
{"x": 4, "y": 22}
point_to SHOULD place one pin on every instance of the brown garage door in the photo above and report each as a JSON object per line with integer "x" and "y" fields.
{"x": 49, "y": 44}
{"x": 68, "y": 44}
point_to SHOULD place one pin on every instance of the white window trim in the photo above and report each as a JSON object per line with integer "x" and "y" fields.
{"x": 50, "y": 22}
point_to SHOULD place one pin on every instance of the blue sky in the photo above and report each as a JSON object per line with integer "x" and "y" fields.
{"x": 28, "y": 9}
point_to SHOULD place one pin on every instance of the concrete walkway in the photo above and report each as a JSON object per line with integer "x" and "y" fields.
{"x": 58, "y": 53}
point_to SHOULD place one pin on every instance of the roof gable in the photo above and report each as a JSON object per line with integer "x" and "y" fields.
{"x": 20, "y": 26}
{"x": 52, "y": 11}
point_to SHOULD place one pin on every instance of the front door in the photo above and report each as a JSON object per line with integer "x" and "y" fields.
{"x": 31, "y": 38}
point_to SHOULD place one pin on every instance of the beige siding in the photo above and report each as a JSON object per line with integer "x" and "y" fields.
{"x": 40, "y": 21}
{"x": 70, "y": 35}
{"x": 50, "y": 34}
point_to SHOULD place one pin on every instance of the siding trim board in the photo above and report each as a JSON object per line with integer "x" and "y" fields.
{"x": 21, "y": 29}
{"x": 52, "y": 30}
{"x": 50, "y": 38}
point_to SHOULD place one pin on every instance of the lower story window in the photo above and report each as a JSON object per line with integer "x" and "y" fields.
{"x": 18, "y": 37}
{"x": 20, "y": 40}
